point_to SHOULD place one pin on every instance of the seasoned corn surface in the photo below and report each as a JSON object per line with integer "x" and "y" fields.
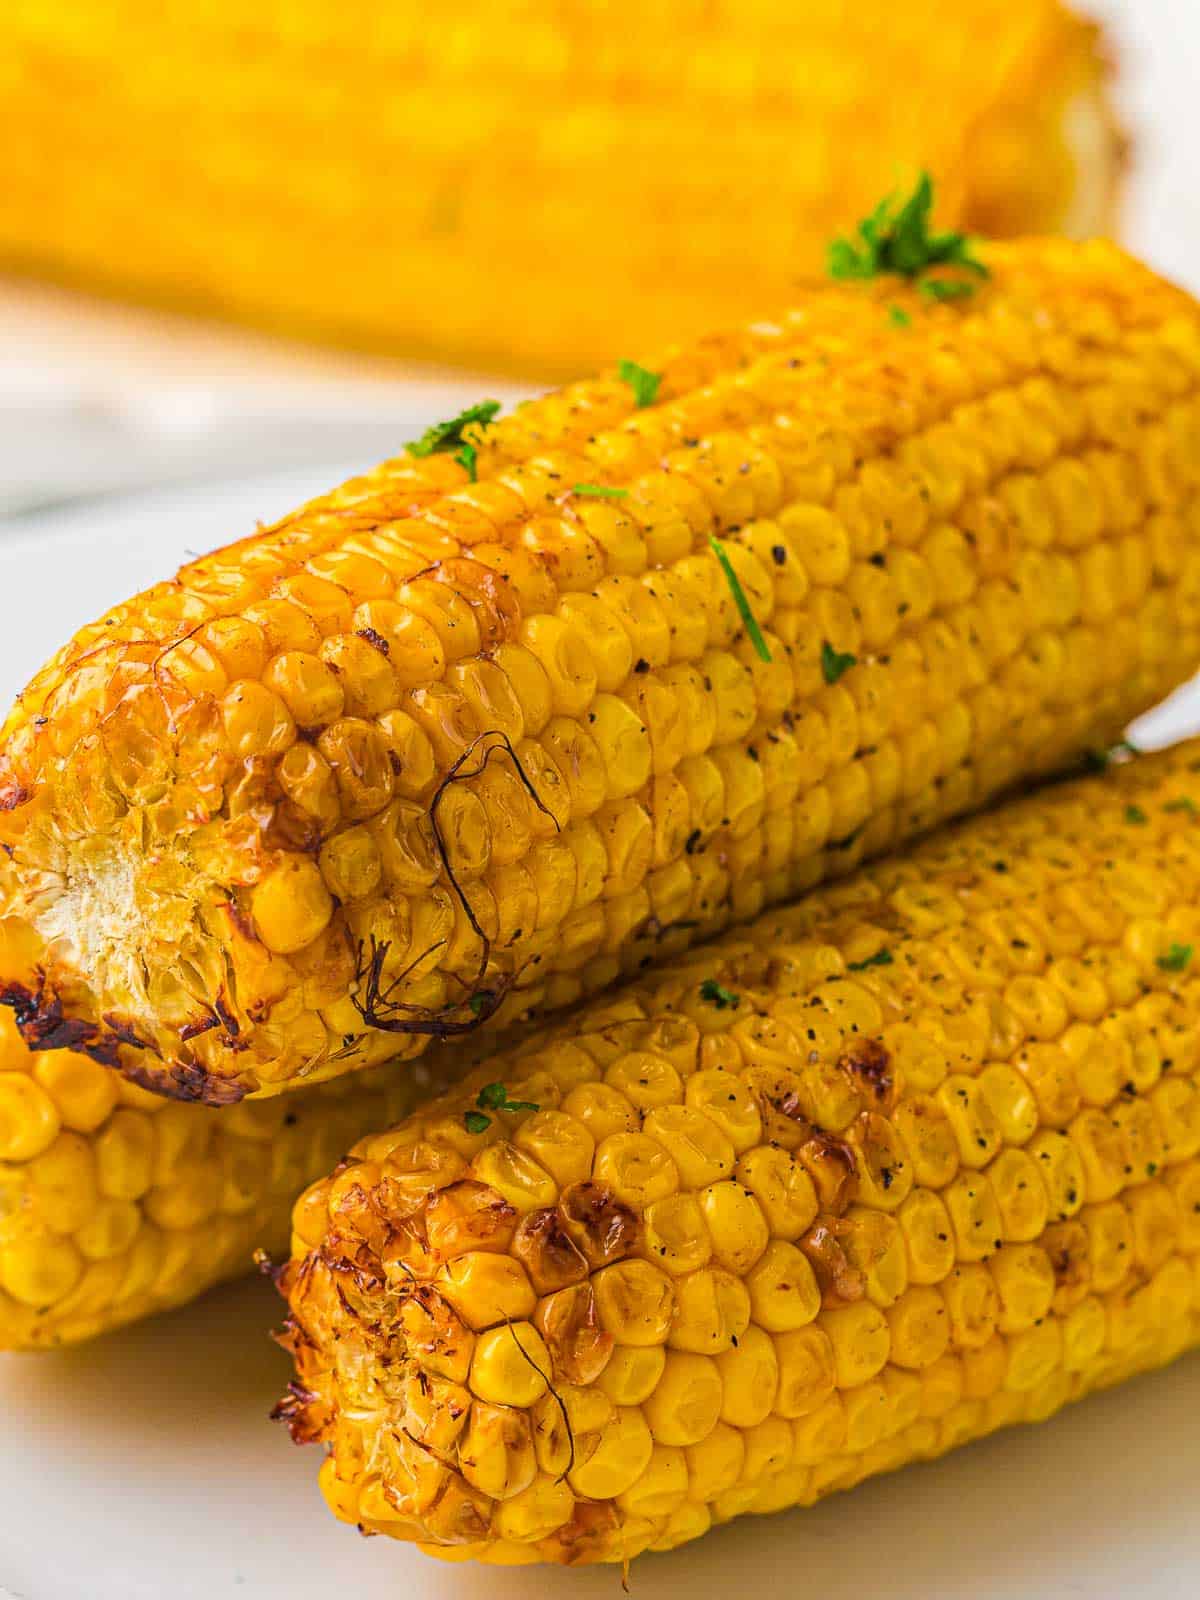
{"x": 891, "y": 1169}
{"x": 115, "y": 1203}
{"x": 433, "y": 750}
{"x": 583, "y": 173}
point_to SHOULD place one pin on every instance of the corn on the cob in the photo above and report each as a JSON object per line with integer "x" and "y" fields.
{"x": 582, "y": 173}
{"x": 115, "y": 1203}
{"x": 913, "y": 1160}
{"x": 432, "y": 749}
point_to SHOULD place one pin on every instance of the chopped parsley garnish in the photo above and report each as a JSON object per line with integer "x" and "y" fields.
{"x": 600, "y": 491}
{"x": 898, "y": 317}
{"x": 493, "y": 1097}
{"x": 718, "y": 996}
{"x": 467, "y": 457}
{"x": 1184, "y": 803}
{"x": 643, "y": 382}
{"x": 945, "y": 288}
{"x": 450, "y": 435}
{"x": 1176, "y": 958}
{"x": 1135, "y": 814}
{"x": 897, "y": 239}
{"x": 740, "y": 601}
{"x": 477, "y": 1002}
{"x": 881, "y": 958}
{"x": 834, "y": 663}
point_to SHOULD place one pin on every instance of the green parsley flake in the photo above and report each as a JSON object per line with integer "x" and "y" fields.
{"x": 1135, "y": 814}
{"x": 881, "y": 958}
{"x": 643, "y": 382}
{"x": 1184, "y": 803}
{"x": 898, "y": 317}
{"x": 467, "y": 457}
{"x": 896, "y": 239}
{"x": 600, "y": 491}
{"x": 477, "y": 1002}
{"x": 444, "y": 436}
{"x": 493, "y": 1097}
{"x": 713, "y": 992}
{"x": 834, "y": 663}
{"x": 739, "y": 600}
{"x": 1176, "y": 958}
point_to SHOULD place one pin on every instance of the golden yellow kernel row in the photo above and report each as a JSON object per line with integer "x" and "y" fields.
{"x": 115, "y": 1203}
{"x": 575, "y": 168}
{"x": 436, "y": 753}
{"x": 916, "y": 1158}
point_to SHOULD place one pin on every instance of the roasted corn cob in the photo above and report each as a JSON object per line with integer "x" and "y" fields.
{"x": 115, "y": 1203}
{"x": 891, "y": 1169}
{"x": 433, "y": 749}
{"x": 583, "y": 173}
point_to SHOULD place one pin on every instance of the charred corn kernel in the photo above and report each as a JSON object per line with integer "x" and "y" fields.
{"x": 761, "y": 1337}
{"x": 510, "y": 808}
{"x": 100, "y": 1179}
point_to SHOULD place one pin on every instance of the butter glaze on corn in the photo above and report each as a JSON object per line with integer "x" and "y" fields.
{"x": 935, "y": 1172}
{"x": 217, "y": 800}
{"x": 372, "y": 174}
{"x": 114, "y": 1203}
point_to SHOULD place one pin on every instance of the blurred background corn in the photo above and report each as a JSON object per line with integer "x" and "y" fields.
{"x": 433, "y": 748}
{"x": 115, "y": 1203}
{"x": 904, "y": 1164}
{"x": 429, "y": 183}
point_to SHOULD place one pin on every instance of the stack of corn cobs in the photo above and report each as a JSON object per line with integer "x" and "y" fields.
{"x": 479, "y": 813}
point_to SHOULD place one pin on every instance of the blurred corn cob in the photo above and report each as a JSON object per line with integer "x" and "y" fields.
{"x": 435, "y": 749}
{"x": 582, "y": 173}
{"x": 115, "y": 1203}
{"x": 904, "y": 1164}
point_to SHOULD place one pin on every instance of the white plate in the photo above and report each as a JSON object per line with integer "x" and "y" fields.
{"x": 142, "y": 1466}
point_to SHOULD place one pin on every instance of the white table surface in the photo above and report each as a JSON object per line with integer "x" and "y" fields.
{"x": 142, "y": 1467}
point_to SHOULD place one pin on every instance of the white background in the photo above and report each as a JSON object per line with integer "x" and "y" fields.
{"x": 141, "y": 1466}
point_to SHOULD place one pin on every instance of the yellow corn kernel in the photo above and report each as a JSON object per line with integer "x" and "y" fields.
{"x": 29, "y": 1119}
{"x": 510, "y": 1364}
{"x": 712, "y": 1311}
{"x": 918, "y": 1327}
{"x": 638, "y": 1168}
{"x": 749, "y": 1375}
{"x": 687, "y": 1399}
{"x": 83, "y": 1091}
{"x": 536, "y": 1511}
{"x": 783, "y": 1288}
{"x": 624, "y": 1450}
{"x": 291, "y": 907}
{"x": 631, "y": 1373}
{"x": 736, "y": 1226}
{"x": 1024, "y": 1280}
{"x": 485, "y": 1288}
{"x": 635, "y": 1302}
